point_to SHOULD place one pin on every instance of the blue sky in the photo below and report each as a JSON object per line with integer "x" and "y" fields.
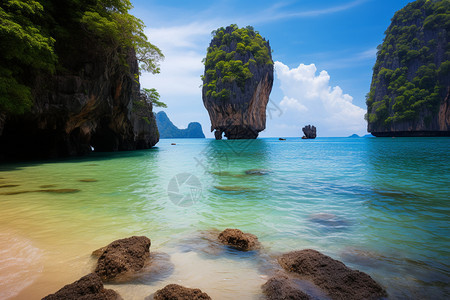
{"x": 323, "y": 51}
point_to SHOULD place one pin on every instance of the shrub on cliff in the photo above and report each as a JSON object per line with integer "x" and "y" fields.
{"x": 229, "y": 58}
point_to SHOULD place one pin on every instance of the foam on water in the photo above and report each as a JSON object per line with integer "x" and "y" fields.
{"x": 20, "y": 264}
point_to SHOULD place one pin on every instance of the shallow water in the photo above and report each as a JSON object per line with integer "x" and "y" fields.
{"x": 380, "y": 205}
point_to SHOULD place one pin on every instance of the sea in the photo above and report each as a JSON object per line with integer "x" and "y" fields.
{"x": 380, "y": 205}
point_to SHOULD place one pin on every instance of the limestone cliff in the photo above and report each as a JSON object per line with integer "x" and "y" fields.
{"x": 168, "y": 130}
{"x": 96, "y": 103}
{"x": 237, "y": 82}
{"x": 410, "y": 90}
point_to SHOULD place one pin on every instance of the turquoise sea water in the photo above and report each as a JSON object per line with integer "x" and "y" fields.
{"x": 380, "y": 205}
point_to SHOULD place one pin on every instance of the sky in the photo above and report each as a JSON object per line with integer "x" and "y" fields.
{"x": 323, "y": 53}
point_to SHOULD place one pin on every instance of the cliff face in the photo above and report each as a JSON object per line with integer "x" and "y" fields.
{"x": 168, "y": 130}
{"x": 94, "y": 104}
{"x": 238, "y": 80}
{"x": 410, "y": 90}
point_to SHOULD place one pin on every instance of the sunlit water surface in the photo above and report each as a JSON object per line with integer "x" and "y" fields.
{"x": 379, "y": 205}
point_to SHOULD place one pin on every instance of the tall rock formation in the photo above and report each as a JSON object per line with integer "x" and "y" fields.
{"x": 237, "y": 82}
{"x": 410, "y": 90}
{"x": 98, "y": 106}
{"x": 168, "y": 130}
{"x": 72, "y": 84}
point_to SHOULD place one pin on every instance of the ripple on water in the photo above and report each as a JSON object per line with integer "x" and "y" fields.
{"x": 20, "y": 264}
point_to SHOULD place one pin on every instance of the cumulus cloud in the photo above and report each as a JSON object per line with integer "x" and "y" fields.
{"x": 309, "y": 98}
{"x": 183, "y": 48}
{"x": 292, "y": 103}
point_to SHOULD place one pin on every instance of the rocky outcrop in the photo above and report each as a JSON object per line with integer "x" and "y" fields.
{"x": 332, "y": 276}
{"x": 94, "y": 102}
{"x": 167, "y": 130}
{"x": 410, "y": 89}
{"x": 88, "y": 287}
{"x": 123, "y": 257}
{"x": 309, "y": 132}
{"x": 239, "y": 240}
{"x": 237, "y": 103}
{"x": 178, "y": 292}
{"x": 281, "y": 287}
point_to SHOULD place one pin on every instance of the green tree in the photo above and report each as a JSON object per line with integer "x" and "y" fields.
{"x": 25, "y": 47}
{"x": 43, "y": 36}
{"x": 152, "y": 96}
{"x": 226, "y": 64}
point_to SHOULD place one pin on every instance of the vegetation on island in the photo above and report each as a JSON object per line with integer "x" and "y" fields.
{"x": 411, "y": 64}
{"x": 230, "y": 57}
{"x": 44, "y": 35}
{"x": 152, "y": 96}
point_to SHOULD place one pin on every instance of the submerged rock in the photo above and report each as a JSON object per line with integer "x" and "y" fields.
{"x": 46, "y": 186}
{"x": 328, "y": 220}
{"x": 309, "y": 132}
{"x": 56, "y": 191}
{"x": 239, "y": 240}
{"x": 228, "y": 174}
{"x": 88, "y": 180}
{"x": 234, "y": 188}
{"x": 16, "y": 192}
{"x": 59, "y": 191}
{"x": 332, "y": 276}
{"x": 281, "y": 287}
{"x": 257, "y": 172}
{"x": 123, "y": 257}
{"x": 178, "y": 292}
{"x": 88, "y": 287}
{"x": 8, "y": 186}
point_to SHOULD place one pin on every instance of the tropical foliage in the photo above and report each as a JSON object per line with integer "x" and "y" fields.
{"x": 43, "y": 35}
{"x": 230, "y": 57}
{"x": 408, "y": 67}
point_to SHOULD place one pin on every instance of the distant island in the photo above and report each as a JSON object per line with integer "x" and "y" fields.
{"x": 168, "y": 130}
{"x": 357, "y": 136}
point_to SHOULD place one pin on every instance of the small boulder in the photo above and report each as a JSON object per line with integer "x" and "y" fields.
{"x": 125, "y": 256}
{"x": 332, "y": 276}
{"x": 89, "y": 287}
{"x": 178, "y": 292}
{"x": 239, "y": 240}
{"x": 309, "y": 132}
{"x": 281, "y": 287}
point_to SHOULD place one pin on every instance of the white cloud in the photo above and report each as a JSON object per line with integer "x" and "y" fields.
{"x": 275, "y": 12}
{"x": 183, "y": 48}
{"x": 309, "y": 99}
{"x": 292, "y": 103}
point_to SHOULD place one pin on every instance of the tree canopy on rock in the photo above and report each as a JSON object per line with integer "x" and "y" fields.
{"x": 42, "y": 36}
{"x": 229, "y": 58}
{"x": 412, "y": 68}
